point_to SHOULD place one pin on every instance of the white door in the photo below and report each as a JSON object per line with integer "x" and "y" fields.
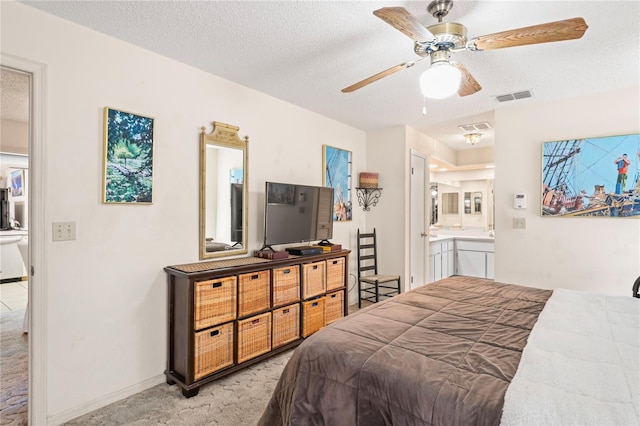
{"x": 418, "y": 221}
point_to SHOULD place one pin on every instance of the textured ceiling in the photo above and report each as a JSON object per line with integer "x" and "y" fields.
{"x": 305, "y": 52}
{"x": 14, "y": 86}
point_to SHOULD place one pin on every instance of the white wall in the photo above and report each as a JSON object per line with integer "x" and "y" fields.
{"x": 14, "y": 136}
{"x": 386, "y": 151}
{"x": 107, "y": 289}
{"x": 389, "y": 153}
{"x": 475, "y": 156}
{"x": 591, "y": 254}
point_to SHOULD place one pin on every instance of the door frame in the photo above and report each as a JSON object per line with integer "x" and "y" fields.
{"x": 37, "y": 266}
{"x": 414, "y": 236}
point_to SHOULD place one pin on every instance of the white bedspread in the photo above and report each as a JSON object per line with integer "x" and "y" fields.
{"x": 580, "y": 365}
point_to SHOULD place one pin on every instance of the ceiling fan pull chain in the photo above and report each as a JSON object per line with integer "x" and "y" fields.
{"x": 424, "y": 105}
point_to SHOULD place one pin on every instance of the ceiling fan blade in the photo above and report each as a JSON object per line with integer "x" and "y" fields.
{"x": 468, "y": 84}
{"x": 378, "y": 76}
{"x": 400, "y": 19}
{"x": 569, "y": 29}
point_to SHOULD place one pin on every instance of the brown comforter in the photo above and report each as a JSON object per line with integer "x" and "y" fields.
{"x": 442, "y": 354}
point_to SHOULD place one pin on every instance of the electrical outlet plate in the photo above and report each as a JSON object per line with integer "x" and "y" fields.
{"x": 64, "y": 231}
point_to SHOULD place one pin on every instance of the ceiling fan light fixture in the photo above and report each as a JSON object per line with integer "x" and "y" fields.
{"x": 440, "y": 80}
{"x": 472, "y": 138}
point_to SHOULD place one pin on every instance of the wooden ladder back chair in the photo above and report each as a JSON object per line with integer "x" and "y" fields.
{"x": 371, "y": 285}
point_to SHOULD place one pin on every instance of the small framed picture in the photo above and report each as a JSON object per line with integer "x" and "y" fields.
{"x": 336, "y": 167}
{"x": 128, "y": 158}
{"x": 17, "y": 183}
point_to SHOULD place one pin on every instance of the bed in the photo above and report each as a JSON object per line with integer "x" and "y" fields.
{"x": 449, "y": 353}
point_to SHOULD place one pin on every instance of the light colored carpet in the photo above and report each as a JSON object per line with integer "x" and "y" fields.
{"x": 13, "y": 370}
{"x": 236, "y": 400}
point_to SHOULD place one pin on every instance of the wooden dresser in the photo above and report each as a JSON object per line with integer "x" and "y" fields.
{"x": 228, "y": 314}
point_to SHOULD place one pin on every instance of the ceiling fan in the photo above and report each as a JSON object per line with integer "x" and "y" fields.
{"x": 437, "y": 42}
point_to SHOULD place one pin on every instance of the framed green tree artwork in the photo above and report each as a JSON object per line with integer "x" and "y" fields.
{"x": 128, "y": 158}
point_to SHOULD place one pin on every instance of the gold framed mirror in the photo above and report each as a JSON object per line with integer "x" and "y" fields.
{"x": 223, "y": 191}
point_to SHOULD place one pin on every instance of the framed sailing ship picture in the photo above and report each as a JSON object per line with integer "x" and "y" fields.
{"x": 591, "y": 177}
{"x": 336, "y": 165}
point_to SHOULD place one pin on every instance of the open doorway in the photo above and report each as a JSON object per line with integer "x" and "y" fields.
{"x": 34, "y": 218}
{"x": 15, "y": 116}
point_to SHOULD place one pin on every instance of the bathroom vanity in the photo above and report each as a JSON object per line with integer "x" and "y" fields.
{"x": 459, "y": 254}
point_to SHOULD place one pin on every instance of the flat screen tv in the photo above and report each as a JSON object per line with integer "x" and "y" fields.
{"x": 297, "y": 213}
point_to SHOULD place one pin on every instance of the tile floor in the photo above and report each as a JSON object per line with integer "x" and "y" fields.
{"x": 13, "y": 296}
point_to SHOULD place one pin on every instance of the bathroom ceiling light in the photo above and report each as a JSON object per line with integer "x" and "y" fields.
{"x": 472, "y": 138}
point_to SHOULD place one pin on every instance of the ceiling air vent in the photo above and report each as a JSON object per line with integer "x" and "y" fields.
{"x": 513, "y": 96}
{"x": 474, "y": 127}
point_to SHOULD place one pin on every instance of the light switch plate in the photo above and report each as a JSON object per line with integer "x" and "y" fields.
{"x": 519, "y": 223}
{"x": 64, "y": 231}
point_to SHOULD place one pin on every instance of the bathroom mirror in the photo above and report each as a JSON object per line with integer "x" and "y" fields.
{"x": 473, "y": 202}
{"x": 223, "y": 192}
{"x": 450, "y": 203}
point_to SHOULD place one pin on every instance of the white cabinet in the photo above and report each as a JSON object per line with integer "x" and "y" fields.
{"x": 11, "y": 263}
{"x": 472, "y": 263}
{"x": 490, "y": 267}
{"x": 451, "y": 260}
{"x": 441, "y": 260}
{"x": 475, "y": 258}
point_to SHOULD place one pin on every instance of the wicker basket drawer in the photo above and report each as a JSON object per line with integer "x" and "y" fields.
{"x": 334, "y": 306}
{"x": 213, "y": 350}
{"x": 254, "y": 336}
{"x": 335, "y": 273}
{"x": 254, "y": 293}
{"x": 312, "y": 316}
{"x": 215, "y": 302}
{"x": 286, "y": 325}
{"x": 286, "y": 285}
{"x": 313, "y": 279}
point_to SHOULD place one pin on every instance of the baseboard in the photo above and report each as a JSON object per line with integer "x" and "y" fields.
{"x": 65, "y": 416}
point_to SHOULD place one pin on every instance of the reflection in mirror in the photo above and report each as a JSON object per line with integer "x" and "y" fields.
{"x": 223, "y": 192}
{"x": 434, "y": 203}
{"x": 473, "y": 202}
{"x": 467, "y": 203}
{"x": 450, "y": 203}
{"x": 477, "y": 202}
